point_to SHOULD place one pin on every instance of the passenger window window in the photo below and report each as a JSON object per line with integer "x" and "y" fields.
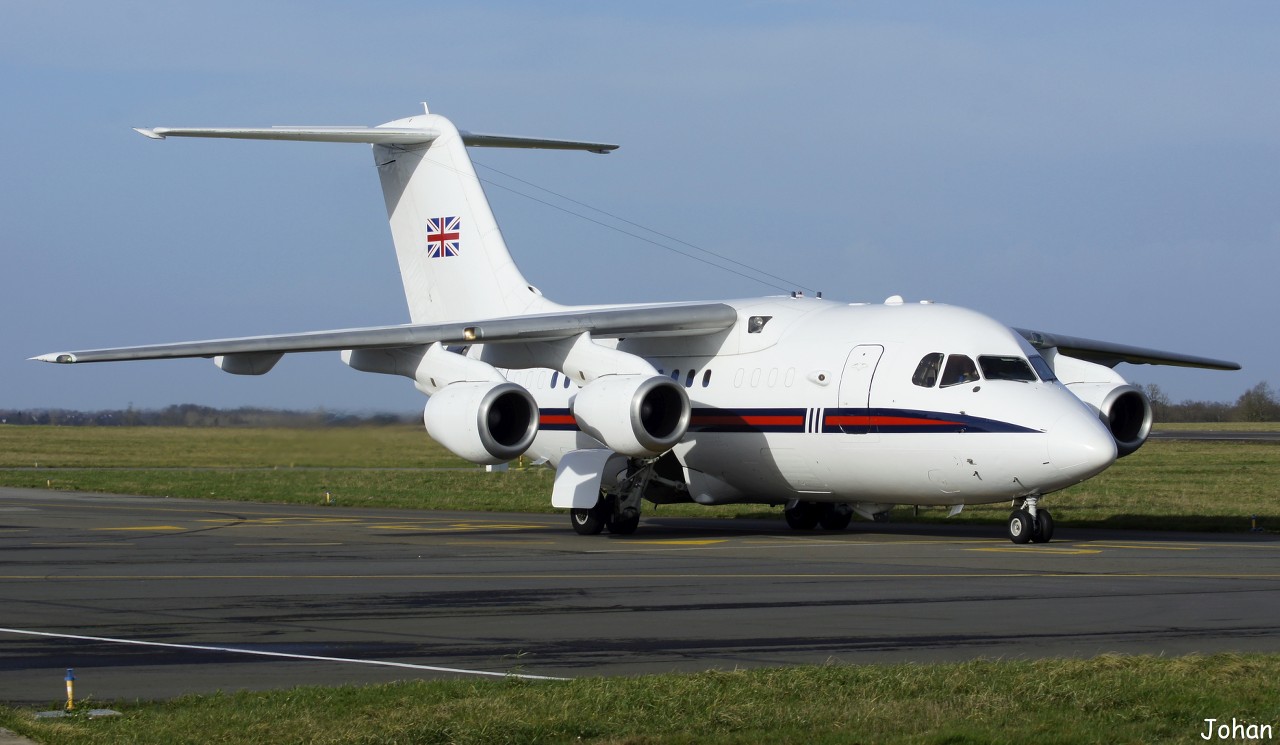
{"x": 688, "y": 379}
{"x": 555, "y": 378}
{"x": 960, "y": 369}
{"x": 675, "y": 374}
{"x": 926, "y": 374}
{"x": 706, "y": 378}
{"x": 566, "y": 381}
{"x": 1006, "y": 368}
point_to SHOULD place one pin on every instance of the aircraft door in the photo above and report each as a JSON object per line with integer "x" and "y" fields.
{"x": 859, "y": 369}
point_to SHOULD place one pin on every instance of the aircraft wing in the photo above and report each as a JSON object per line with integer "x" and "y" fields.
{"x": 1110, "y": 354}
{"x": 626, "y": 321}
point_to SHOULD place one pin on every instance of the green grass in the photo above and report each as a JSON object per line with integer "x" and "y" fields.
{"x": 1107, "y": 699}
{"x": 1168, "y": 484}
{"x": 374, "y": 466}
{"x": 401, "y": 446}
{"x": 1217, "y": 427}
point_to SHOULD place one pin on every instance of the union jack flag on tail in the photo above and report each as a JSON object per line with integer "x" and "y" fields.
{"x": 443, "y": 237}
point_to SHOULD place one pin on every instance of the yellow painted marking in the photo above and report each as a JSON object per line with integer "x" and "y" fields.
{"x": 282, "y": 544}
{"x": 1149, "y": 547}
{"x": 681, "y": 541}
{"x": 505, "y": 542}
{"x": 1023, "y": 549}
{"x": 85, "y": 543}
{"x": 145, "y": 527}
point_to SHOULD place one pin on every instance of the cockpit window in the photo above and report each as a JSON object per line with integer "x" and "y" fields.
{"x": 926, "y": 374}
{"x": 1006, "y": 368}
{"x": 1042, "y": 368}
{"x": 960, "y": 369}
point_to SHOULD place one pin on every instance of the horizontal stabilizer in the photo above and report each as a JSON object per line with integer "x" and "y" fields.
{"x": 1110, "y": 354}
{"x": 370, "y": 135}
{"x": 631, "y": 321}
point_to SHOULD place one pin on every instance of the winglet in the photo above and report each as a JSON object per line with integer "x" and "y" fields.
{"x": 151, "y": 133}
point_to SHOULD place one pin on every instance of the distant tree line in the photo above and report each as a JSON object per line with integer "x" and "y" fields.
{"x": 191, "y": 415}
{"x": 1258, "y": 404}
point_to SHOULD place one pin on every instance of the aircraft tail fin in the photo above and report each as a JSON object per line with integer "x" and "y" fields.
{"x": 453, "y": 260}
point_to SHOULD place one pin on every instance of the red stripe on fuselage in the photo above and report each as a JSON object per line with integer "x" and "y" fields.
{"x": 756, "y": 420}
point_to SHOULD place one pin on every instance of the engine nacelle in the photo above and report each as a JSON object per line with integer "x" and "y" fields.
{"x": 1123, "y": 408}
{"x": 484, "y": 422}
{"x": 633, "y": 415}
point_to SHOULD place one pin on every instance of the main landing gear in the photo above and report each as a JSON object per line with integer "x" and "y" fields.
{"x": 1029, "y": 524}
{"x": 618, "y": 509}
{"x": 602, "y": 517}
{"x": 808, "y": 515}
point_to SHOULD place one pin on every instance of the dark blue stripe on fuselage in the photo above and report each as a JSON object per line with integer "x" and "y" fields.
{"x": 833, "y": 421}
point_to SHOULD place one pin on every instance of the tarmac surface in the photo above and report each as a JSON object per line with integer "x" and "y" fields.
{"x": 154, "y": 598}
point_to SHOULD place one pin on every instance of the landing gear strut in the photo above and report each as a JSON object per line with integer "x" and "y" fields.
{"x": 618, "y": 509}
{"x": 1029, "y": 524}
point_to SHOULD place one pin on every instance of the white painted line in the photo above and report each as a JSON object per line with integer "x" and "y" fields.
{"x": 260, "y": 653}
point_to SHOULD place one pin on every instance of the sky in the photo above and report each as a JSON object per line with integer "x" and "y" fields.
{"x": 1097, "y": 169}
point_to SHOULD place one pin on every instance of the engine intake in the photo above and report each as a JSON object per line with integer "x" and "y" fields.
{"x": 633, "y": 415}
{"x": 484, "y": 423}
{"x": 1124, "y": 409}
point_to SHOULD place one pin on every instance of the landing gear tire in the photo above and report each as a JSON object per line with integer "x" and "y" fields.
{"x": 624, "y": 524}
{"x": 1044, "y": 527}
{"x": 587, "y": 522}
{"x": 802, "y": 516}
{"x": 1021, "y": 527}
{"x": 835, "y": 517}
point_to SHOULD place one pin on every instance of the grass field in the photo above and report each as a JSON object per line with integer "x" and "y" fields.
{"x": 1109, "y": 699}
{"x": 1185, "y": 485}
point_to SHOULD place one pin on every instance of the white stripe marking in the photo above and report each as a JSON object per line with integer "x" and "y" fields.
{"x": 260, "y": 653}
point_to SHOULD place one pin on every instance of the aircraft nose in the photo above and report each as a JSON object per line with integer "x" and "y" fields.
{"x": 1080, "y": 446}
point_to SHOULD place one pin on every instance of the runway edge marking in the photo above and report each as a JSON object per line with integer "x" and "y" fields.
{"x": 263, "y": 653}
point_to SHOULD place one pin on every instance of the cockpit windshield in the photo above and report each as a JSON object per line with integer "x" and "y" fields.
{"x": 1006, "y": 368}
{"x": 959, "y": 369}
{"x": 1042, "y": 368}
{"x": 926, "y": 375}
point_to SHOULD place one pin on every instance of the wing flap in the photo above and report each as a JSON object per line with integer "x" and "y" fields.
{"x": 1111, "y": 354}
{"x": 647, "y": 320}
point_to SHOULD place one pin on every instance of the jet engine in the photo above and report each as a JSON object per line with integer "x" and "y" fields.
{"x": 633, "y": 415}
{"x": 482, "y": 422}
{"x": 1123, "y": 408}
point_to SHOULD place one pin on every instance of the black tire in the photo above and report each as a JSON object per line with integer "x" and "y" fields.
{"x": 619, "y": 525}
{"x": 804, "y": 516}
{"x": 1044, "y": 527}
{"x": 586, "y": 522}
{"x": 1020, "y": 527}
{"x": 834, "y": 518}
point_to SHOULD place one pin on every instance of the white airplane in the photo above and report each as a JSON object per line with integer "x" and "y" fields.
{"x": 830, "y": 408}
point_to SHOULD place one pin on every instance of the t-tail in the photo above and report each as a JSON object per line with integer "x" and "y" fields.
{"x": 453, "y": 260}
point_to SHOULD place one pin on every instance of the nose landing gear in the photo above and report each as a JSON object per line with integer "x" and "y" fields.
{"x": 1028, "y": 524}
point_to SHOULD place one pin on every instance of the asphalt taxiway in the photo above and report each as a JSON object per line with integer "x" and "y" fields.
{"x": 152, "y": 598}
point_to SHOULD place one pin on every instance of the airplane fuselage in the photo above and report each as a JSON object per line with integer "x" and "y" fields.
{"x": 825, "y": 402}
